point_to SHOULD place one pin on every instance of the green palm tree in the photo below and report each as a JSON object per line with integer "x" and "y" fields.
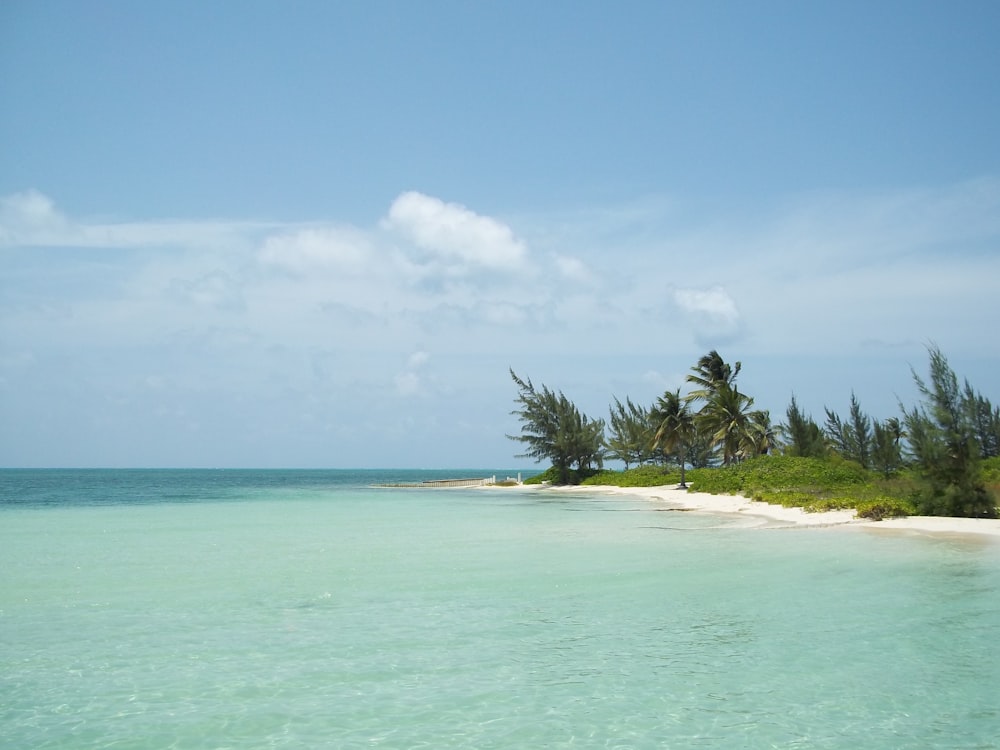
{"x": 895, "y": 428}
{"x": 726, "y": 417}
{"x": 675, "y": 428}
{"x": 711, "y": 373}
{"x": 759, "y": 437}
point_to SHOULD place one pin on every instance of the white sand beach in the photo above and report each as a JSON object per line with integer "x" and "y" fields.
{"x": 769, "y": 514}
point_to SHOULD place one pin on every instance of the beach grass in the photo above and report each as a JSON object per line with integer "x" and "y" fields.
{"x": 811, "y": 484}
{"x": 815, "y": 485}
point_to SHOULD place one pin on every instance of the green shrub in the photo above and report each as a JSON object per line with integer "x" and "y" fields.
{"x": 779, "y": 472}
{"x": 991, "y": 471}
{"x": 878, "y": 508}
{"x": 808, "y": 501}
{"x": 551, "y": 475}
{"x": 639, "y": 476}
{"x": 823, "y": 504}
{"x": 958, "y": 501}
{"x": 789, "y": 499}
{"x": 813, "y": 484}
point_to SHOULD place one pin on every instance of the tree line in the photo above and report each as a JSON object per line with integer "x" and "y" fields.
{"x": 941, "y": 440}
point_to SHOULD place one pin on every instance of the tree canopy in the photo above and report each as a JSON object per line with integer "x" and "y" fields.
{"x": 946, "y": 444}
{"x": 940, "y": 442}
{"x": 553, "y": 428}
{"x": 675, "y": 427}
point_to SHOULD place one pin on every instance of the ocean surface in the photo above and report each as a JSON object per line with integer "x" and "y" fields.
{"x": 308, "y": 609}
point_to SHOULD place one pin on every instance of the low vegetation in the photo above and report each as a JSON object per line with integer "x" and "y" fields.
{"x": 814, "y": 485}
{"x": 638, "y": 476}
{"x": 791, "y": 481}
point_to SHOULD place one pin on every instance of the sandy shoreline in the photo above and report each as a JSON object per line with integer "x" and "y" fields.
{"x": 769, "y": 514}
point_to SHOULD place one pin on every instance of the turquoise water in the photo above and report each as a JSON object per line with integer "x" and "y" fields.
{"x": 307, "y": 609}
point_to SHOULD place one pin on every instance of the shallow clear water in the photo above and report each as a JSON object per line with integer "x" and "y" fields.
{"x": 306, "y": 609}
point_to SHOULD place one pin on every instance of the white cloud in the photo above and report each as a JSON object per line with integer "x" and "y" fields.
{"x": 417, "y": 359}
{"x": 234, "y": 312}
{"x": 313, "y": 249}
{"x": 217, "y": 289}
{"x": 573, "y": 269}
{"x": 31, "y": 219}
{"x": 453, "y": 232}
{"x": 715, "y": 303}
{"x": 408, "y": 382}
{"x": 29, "y": 207}
{"x": 712, "y": 312}
{"x": 28, "y": 216}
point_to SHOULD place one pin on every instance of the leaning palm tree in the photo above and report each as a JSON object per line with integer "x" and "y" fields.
{"x": 711, "y": 373}
{"x": 675, "y": 429}
{"x": 725, "y": 417}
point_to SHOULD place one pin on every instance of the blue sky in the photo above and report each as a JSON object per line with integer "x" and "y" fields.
{"x": 318, "y": 234}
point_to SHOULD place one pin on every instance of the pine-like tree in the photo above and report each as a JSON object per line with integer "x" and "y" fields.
{"x": 629, "y": 433}
{"x": 944, "y": 447}
{"x": 851, "y": 439}
{"x": 803, "y": 437}
{"x": 553, "y": 428}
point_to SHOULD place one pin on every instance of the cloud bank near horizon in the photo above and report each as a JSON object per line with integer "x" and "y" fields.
{"x": 338, "y": 318}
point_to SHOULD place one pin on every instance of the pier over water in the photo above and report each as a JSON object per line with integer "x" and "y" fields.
{"x": 439, "y": 483}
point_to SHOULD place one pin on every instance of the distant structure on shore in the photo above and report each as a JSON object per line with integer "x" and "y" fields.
{"x": 439, "y": 483}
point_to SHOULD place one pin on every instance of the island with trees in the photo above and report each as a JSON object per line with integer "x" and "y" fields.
{"x": 940, "y": 457}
